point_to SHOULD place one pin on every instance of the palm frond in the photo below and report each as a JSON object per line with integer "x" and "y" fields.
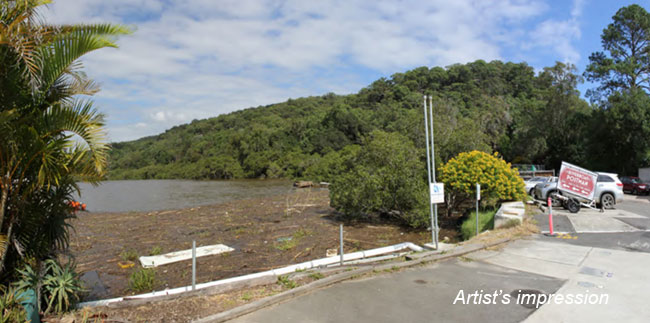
{"x": 56, "y": 56}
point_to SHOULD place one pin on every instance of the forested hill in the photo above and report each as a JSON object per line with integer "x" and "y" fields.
{"x": 495, "y": 106}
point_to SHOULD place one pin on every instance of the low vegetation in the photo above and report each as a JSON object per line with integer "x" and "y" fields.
{"x": 287, "y": 282}
{"x": 11, "y": 309}
{"x": 142, "y": 280}
{"x": 57, "y": 287}
{"x": 485, "y": 222}
{"x": 129, "y": 254}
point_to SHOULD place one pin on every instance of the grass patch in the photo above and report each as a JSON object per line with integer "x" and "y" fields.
{"x": 157, "y": 250}
{"x": 246, "y": 296}
{"x": 316, "y": 276}
{"x": 129, "y": 254}
{"x": 142, "y": 280}
{"x": 291, "y": 242}
{"x": 486, "y": 222}
{"x": 286, "y": 282}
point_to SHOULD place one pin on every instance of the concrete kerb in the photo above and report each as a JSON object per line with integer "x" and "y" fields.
{"x": 509, "y": 211}
{"x": 421, "y": 258}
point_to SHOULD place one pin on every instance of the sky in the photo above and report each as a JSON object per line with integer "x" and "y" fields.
{"x": 195, "y": 59}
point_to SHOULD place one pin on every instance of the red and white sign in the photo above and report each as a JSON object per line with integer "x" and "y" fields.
{"x": 577, "y": 181}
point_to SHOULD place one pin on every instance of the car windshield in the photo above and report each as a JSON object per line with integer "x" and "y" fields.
{"x": 635, "y": 180}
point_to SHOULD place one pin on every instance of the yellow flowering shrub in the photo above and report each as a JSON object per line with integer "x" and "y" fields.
{"x": 499, "y": 181}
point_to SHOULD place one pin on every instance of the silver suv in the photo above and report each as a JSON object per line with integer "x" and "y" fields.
{"x": 609, "y": 191}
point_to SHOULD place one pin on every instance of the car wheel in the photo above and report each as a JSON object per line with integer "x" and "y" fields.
{"x": 607, "y": 200}
{"x": 532, "y": 192}
{"x": 573, "y": 206}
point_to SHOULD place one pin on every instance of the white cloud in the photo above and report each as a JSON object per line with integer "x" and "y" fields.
{"x": 200, "y": 58}
{"x": 558, "y": 35}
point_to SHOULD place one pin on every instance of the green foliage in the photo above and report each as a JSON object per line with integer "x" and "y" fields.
{"x": 485, "y": 222}
{"x": 627, "y": 65}
{"x": 623, "y": 131}
{"x": 316, "y": 276}
{"x": 51, "y": 135}
{"x": 58, "y": 287}
{"x": 498, "y": 180}
{"x": 61, "y": 286}
{"x": 483, "y": 106}
{"x": 387, "y": 178}
{"x": 287, "y": 282}
{"x": 142, "y": 280}
{"x": 157, "y": 250}
{"x": 129, "y": 254}
{"x": 11, "y": 309}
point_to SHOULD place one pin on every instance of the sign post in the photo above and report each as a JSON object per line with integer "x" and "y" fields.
{"x": 478, "y": 198}
{"x": 436, "y": 190}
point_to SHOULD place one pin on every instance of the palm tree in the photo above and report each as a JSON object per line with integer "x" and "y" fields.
{"x": 51, "y": 136}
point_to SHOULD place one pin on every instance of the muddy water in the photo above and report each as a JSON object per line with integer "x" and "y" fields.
{"x": 150, "y": 195}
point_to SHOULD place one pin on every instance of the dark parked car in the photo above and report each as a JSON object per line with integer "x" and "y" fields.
{"x": 634, "y": 185}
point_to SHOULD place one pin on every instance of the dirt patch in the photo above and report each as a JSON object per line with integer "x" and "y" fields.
{"x": 265, "y": 232}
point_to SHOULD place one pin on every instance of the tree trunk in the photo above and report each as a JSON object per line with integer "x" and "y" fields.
{"x": 6, "y": 250}
{"x": 6, "y": 184}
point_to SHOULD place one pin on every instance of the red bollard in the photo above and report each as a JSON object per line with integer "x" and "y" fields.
{"x": 550, "y": 216}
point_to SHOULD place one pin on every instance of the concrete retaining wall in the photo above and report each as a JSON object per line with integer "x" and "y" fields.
{"x": 509, "y": 211}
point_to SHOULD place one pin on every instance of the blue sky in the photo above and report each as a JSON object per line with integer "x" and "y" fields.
{"x": 196, "y": 59}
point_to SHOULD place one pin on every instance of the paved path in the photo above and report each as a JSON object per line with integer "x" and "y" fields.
{"x": 621, "y": 275}
{"x": 416, "y": 295}
{"x": 606, "y": 256}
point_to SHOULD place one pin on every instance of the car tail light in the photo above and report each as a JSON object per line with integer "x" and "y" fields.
{"x": 619, "y": 184}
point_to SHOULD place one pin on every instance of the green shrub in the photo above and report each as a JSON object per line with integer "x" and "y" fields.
{"x": 60, "y": 286}
{"x": 387, "y": 178}
{"x": 142, "y": 280}
{"x": 499, "y": 182}
{"x": 11, "y": 309}
{"x": 485, "y": 222}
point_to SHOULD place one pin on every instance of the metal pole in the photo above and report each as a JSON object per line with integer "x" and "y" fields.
{"x": 477, "y": 208}
{"x": 426, "y": 139}
{"x": 341, "y": 238}
{"x": 193, "y": 264}
{"x": 433, "y": 171}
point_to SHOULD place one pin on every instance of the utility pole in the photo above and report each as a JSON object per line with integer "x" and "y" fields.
{"x": 431, "y": 167}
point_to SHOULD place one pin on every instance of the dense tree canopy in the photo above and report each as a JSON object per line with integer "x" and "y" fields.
{"x": 627, "y": 40}
{"x": 484, "y": 106}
